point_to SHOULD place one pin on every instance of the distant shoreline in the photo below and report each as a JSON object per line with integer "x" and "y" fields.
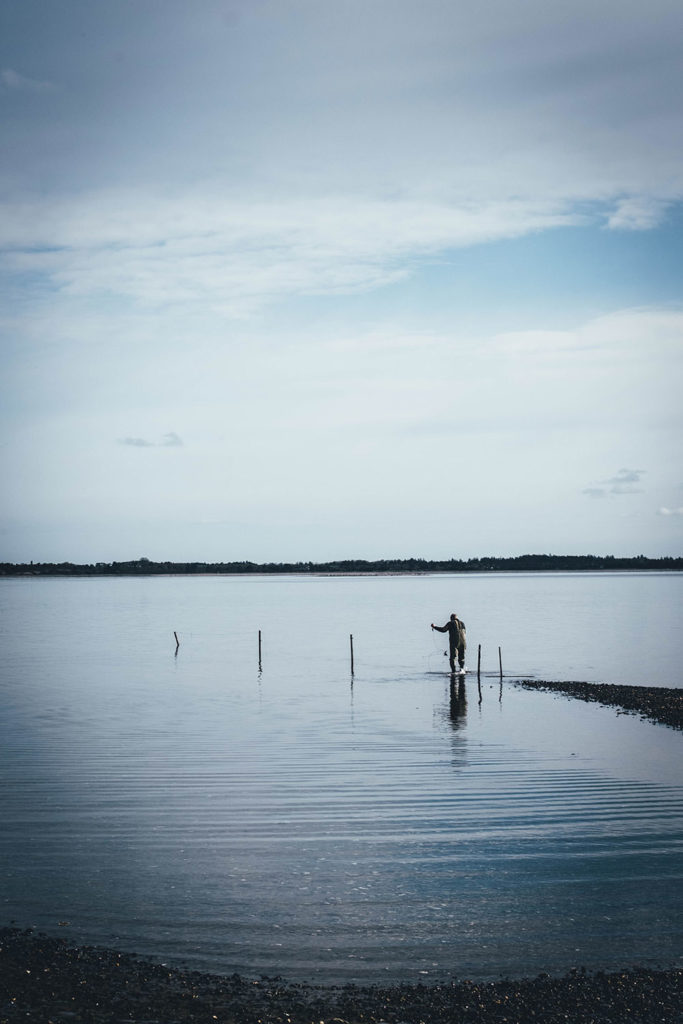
{"x": 349, "y": 567}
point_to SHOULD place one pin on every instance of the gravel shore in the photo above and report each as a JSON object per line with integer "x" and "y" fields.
{"x": 46, "y": 981}
{"x": 656, "y": 703}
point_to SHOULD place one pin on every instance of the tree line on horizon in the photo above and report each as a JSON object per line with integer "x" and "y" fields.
{"x": 517, "y": 563}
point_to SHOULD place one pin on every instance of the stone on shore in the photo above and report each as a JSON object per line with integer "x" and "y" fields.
{"x": 46, "y": 981}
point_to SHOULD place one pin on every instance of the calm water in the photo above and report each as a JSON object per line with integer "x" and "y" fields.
{"x": 292, "y": 821}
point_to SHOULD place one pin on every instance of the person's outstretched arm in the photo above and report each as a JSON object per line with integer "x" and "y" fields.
{"x": 441, "y": 629}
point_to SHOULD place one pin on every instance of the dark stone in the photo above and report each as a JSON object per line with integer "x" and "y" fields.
{"x": 44, "y": 980}
{"x": 656, "y": 703}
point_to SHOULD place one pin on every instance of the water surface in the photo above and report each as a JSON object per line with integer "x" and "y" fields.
{"x": 300, "y": 821}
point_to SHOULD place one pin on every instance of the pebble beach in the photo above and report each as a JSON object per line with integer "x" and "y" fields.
{"x": 46, "y": 981}
{"x": 660, "y": 704}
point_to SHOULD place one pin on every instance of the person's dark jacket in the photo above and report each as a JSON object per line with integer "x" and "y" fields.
{"x": 456, "y": 634}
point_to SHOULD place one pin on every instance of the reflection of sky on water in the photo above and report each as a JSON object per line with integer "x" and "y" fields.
{"x": 286, "y": 822}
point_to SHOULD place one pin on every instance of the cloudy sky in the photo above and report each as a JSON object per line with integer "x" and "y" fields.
{"x": 301, "y": 279}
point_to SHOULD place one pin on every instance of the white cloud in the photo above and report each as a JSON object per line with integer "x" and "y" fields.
{"x": 663, "y": 511}
{"x": 631, "y": 333}
{"x": 235, "y": 257}
{"x": 238, "y": 255}
{"x": 372, "y": 136}
{"x": 14, "y": 82}
{"x": 623, "y": 482}
{"x": 136, "y": 442}
{"x": 170, "y": 440}
{"x": 637, "y": 214}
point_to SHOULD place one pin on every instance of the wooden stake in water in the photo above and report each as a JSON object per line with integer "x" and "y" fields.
{"x": 259, "y": 650}
{"x": 351, "y": 640}
{"x": 479, "y": 662}
{"x": 500, "y": 662}
{"x": 177, "y": 641}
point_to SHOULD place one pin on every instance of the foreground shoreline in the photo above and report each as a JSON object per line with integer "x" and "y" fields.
{"x": 46, "y": 981}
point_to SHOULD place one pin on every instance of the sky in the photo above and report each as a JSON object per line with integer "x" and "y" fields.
{"x": 299, "y": 280}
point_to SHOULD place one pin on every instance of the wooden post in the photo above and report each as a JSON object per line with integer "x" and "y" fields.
{"x": 259, "y": 650}
{"x": 177, "y": 641}
{"x": 479, "y": 662}
{"x": 351, "y": 641}
{"x": 500, "y": 662}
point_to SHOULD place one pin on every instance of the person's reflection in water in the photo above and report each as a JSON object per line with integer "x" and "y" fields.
{"x": 458, "y": 702}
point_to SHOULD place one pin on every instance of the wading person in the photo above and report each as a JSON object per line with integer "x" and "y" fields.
{"x": 457, "y": 641}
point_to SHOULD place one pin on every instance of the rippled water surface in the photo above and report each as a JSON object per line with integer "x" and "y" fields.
{"x": 300, "y": 821}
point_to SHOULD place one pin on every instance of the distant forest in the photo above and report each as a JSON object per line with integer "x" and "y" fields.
{"x": 521, "y": 563}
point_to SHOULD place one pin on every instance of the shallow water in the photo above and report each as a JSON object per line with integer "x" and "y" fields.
{"x": 298, "y": 821}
